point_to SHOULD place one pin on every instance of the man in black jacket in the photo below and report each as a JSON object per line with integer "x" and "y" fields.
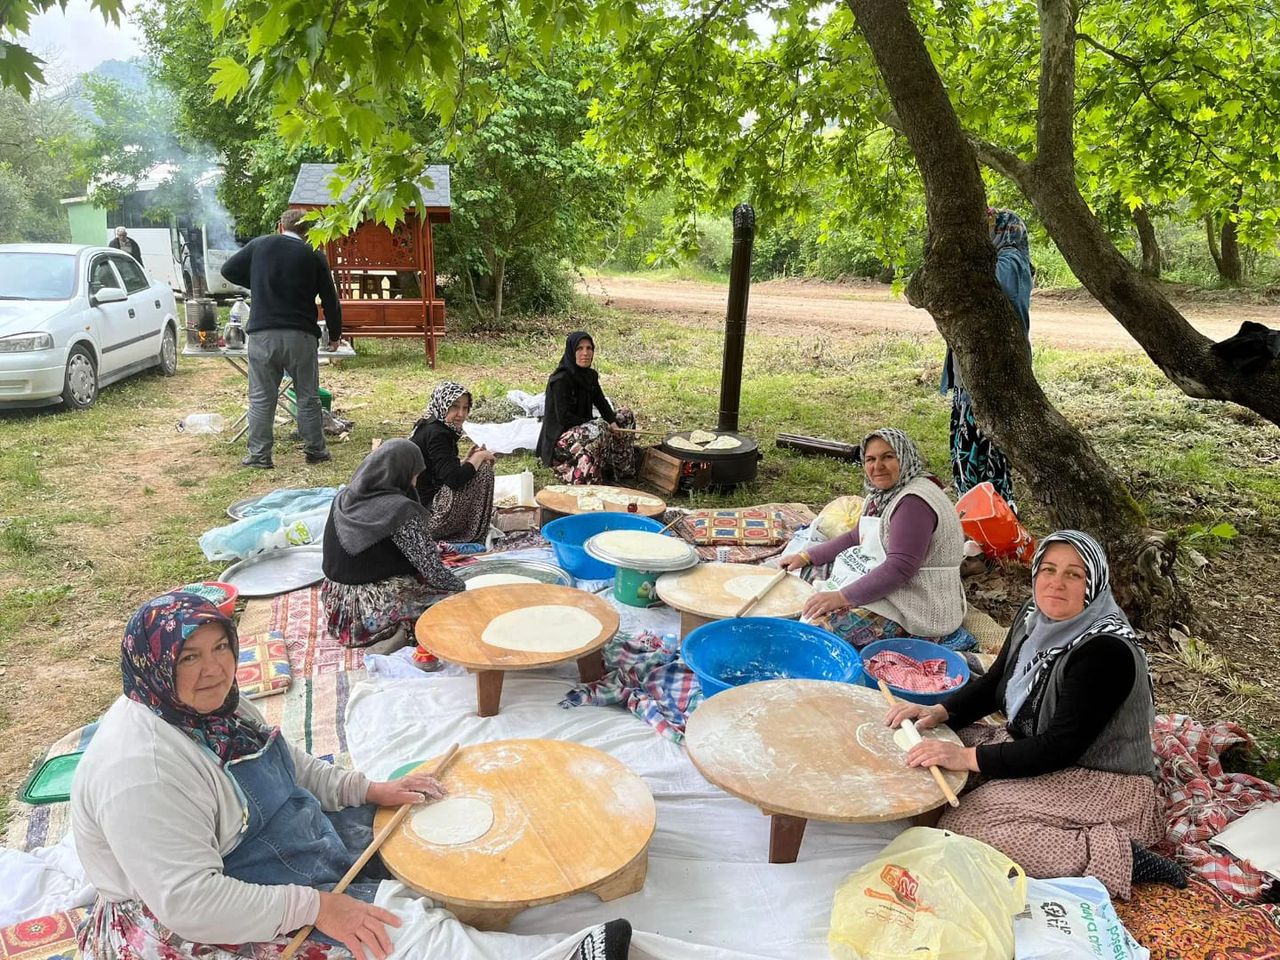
{"x": 122, "y": 241}
{"x": 285, "y": 275}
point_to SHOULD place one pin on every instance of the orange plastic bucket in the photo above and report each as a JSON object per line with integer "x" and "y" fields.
{"x": 988, "y": 520}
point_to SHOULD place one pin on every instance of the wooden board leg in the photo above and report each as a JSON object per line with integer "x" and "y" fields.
{"x": 785, "y": 834}
{"x": 488, "y": 692}
{"x": 691, "y": 621}
{"x": 591, "y": 667}
{"x": 484, "y": 918}
{"x": 630, "y": 879}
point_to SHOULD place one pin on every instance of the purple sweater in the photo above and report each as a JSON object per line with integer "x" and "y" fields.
{"x": 913, "y": 524}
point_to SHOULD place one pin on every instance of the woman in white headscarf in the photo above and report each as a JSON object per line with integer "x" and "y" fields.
{"x": 1067, "y": 784}
{"x": 898, "y": 573}
{"x": 457, "y": 493}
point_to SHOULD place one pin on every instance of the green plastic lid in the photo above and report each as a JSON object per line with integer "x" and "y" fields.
{"x": 52, "y": 782}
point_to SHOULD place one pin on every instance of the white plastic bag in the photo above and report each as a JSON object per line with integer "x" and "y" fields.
{"x": 1072, "y": 918}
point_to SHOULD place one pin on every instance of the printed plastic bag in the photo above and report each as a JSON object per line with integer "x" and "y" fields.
{"x": 839, "y": 516}
{"x": 1072, "y": 918}
{"x": 931, "y": 895}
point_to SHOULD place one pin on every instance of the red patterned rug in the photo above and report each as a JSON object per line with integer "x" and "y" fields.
{"x": 793, "y": 517}
{"x": 1200, "y": 923}
{"x": 45, "y": 938}
{"x": 312, "y": 651}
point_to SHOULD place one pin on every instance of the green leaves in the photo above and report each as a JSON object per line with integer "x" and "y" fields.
{"x": 19, "y": 68}
{"x": 228, "y": 78}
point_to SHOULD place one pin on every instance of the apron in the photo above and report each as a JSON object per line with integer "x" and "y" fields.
{"x": 856, "y": 562}
{"x": 288, "y": 839}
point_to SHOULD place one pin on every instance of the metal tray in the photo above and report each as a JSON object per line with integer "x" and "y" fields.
{"x": 277, "y": 571}
{"x": 537, "y": 569}
{"x": 239, "y": 509}
{"x": 655, "y": 566}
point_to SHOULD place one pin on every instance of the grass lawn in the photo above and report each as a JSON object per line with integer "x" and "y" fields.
{"x": 101, "y": 510}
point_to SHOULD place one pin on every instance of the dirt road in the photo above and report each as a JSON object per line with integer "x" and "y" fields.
{"x": 803, "y": 307}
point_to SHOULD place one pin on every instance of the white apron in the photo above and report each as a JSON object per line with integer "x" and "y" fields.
{"x": 856, "y": 562}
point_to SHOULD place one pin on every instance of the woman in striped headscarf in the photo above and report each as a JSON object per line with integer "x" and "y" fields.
{"x": 458, "y": 493}
{"x": 898, "y": 573}
{"x": 1067, "y": 784}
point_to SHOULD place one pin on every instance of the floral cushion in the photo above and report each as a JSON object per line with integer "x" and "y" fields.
{"x": 264, "y": 665}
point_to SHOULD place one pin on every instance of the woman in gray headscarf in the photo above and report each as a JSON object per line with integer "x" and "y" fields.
{"x": 381, "y": 565}
{"x": 457, "y": 493}
{"x": 898, "y": 573}
{"x": 1067, "y": 784}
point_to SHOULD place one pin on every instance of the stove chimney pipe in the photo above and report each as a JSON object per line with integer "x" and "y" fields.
{"x": 735, "y": 325}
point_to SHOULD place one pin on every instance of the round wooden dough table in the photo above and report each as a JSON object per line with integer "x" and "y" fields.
{"x": 453, "y": 630}
{"x": 567, "y": 819}
{"x": 804, "y": 750}
{"x": 567, "y": 503}
{"x": 700, "y": 595}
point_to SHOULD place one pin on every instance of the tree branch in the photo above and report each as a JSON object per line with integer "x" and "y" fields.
{"x": 1055, "y": 120}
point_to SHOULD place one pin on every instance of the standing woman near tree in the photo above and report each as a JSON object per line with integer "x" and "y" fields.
{"x": 578, "y": 445}
{"x": 974, "y": 457}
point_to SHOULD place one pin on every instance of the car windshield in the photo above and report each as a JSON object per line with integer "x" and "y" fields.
{"x": 37, "y": 276}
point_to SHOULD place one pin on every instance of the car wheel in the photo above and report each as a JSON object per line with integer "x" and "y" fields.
{"x": 80, "y": 384}
{"x": 169, "y": 352}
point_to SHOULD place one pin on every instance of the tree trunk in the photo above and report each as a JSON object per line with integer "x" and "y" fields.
{"x": 471, "y": 286}
{"x": 1211, "y": 238}
{"x": 1147, "y": 240}
{"x": 1178, "y": 349}
{"x": 1229, "y": 267}
{"x": 957, "y": 285}
{"x": 498, "y": 275}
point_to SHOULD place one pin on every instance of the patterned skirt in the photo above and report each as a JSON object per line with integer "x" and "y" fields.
{"x": 590, "y": 453}
{"x": 1070, "y": 823}
{"x": 463, "y": 516}
{"x": 859, "y": 626}
{"x": 974, "y": 457}
{"x": 129, "y": 931}
{"x": 364, "y": 613}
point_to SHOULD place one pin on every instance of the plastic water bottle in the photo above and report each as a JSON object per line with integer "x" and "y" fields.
{"x": 202, "y": 423}
{"x": 324, "y": 336}
{"x": 670, "y": 643}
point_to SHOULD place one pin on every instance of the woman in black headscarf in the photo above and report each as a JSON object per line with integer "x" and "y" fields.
{"x": 578, "y": 445}
{"x": 458, "y": 493}
{"x": 381, "y": 565}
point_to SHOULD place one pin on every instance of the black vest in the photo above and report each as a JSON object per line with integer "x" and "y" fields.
{"x": 382, "y": 561}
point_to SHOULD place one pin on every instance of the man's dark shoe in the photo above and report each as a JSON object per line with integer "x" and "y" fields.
{"x": 324, "y": 456}
{"x": 257, "y": 464}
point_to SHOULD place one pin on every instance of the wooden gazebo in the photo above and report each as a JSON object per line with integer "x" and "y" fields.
{"x": 386, "y": 278}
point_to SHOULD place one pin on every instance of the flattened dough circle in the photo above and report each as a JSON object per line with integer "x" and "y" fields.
{"x": 545, "y": 628}
{"x": 453, "y": 820}
{"x": 497, "y": 579}
{"x": 747, "y": 585}
{"x": 641, "y": 545}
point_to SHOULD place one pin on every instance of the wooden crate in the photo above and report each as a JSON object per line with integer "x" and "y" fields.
{"x": 659, "y": 470}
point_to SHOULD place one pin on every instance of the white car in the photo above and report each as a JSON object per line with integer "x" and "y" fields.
{"x": 76, "y": 318}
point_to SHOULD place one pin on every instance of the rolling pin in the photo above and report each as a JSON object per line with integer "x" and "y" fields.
{"x": 777, "y": 578}
{"x": 369, "y": 851}
{"x": 914, "y": 736}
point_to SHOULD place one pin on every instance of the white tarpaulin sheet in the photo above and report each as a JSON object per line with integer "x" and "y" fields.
{"x": 519, "y": 434}
{"x": 710, "y": 892}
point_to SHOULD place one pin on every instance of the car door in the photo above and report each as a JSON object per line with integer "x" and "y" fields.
{"x": 113, "y": 325}
{"x": 146, "y": 309}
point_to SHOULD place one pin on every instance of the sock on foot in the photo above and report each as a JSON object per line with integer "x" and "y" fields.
{"x": 609, "y": 941}
{"x": 1150, "y": 867}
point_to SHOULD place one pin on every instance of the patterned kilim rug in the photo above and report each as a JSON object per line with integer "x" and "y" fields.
{"x": 300, "y": 617}
{"x": 1200, "y": 923}
{"x": 794, "y": 516}
{"x": 45, "y": 938}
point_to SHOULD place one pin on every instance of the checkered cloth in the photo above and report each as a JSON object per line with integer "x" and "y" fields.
{"x": 652, "y": 683}
{"x": 907, "y": 673}
{"x": 1200, "y": 799}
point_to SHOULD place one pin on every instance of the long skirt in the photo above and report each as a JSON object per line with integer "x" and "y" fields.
{"x": 364, "y": 613}
{"x": 974, "y": 457}
{"x": 1070, "y": 823}
{"x": 859, "y": 627}
{"x": 590, "y": 453}
{"x": 463, "y": 516}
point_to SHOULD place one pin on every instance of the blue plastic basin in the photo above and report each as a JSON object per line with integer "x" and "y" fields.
{"x": 568, "y": 534}
{"x": 918, "y": 650}
{"x": 729, "y": 653}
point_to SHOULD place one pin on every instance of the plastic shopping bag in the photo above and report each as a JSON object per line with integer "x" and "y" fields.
{"x": 839, "y": 516}
{"x": 1072, "y": 919}
{"x": 931, "y": 895}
